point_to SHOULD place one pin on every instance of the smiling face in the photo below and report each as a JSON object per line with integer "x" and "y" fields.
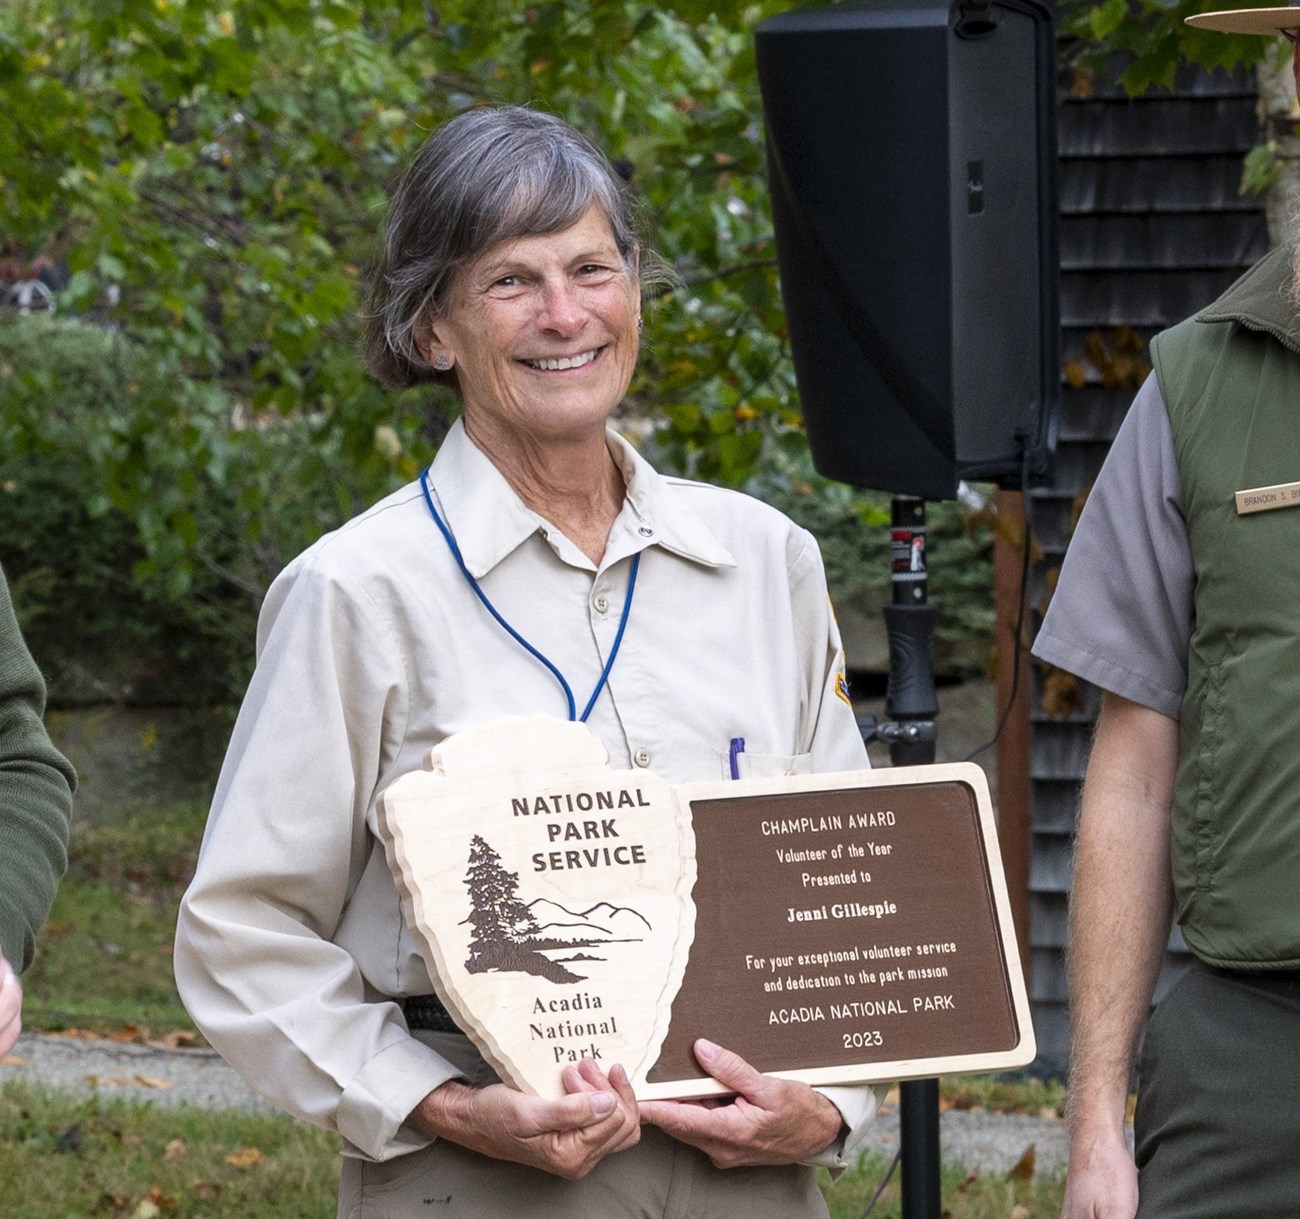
{"x": 542, "y": 336}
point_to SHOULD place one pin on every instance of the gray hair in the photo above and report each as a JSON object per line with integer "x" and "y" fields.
{"x": 486, "y": 176}
{"x": 1295, "y": 261}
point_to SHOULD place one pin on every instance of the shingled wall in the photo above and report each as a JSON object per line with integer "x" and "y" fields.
{"x": 1152, "y": 228}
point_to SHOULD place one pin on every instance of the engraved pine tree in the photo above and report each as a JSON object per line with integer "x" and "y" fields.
{"x": 504, "y": 932}
{"x": 496, "y": 913}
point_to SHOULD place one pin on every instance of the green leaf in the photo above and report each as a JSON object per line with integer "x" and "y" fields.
{"x": 1261, "y": 169}
{"x": 111, "y": 267}
{"x": 1105, "y": 19}
{"x": 186, "y": 527}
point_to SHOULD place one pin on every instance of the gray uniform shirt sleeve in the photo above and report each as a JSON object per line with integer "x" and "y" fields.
{"x": 1121, "y": 616}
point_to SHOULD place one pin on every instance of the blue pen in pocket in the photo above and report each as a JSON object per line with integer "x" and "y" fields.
{"x": 737, "y": 748}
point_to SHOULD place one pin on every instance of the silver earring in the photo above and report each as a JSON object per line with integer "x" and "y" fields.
{"x": 441, "y": 363}
{"x": 640, "y": 324}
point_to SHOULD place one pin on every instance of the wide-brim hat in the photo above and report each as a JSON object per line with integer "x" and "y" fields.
{"x": 1276, "y": 20}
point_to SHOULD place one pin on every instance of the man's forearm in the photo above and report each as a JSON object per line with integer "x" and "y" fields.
{"x": 1121, "y": 908}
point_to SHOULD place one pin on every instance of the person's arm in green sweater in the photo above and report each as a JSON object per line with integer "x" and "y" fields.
{"x": 36, "y": 785}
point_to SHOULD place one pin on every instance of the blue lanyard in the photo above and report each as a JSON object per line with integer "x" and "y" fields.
{"x": 514, "y": 634}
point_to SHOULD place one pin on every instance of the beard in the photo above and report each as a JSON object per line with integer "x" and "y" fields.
{"x": 1295, "y": 268}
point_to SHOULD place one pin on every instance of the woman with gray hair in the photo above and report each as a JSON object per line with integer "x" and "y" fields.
{"x": 538, "y": 550}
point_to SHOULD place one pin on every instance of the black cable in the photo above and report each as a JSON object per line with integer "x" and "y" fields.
{"x": 1020, "y": 604}
{"x": 880, "y": 1189}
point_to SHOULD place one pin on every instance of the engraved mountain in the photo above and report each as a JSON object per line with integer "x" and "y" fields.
{"x": 602, "y": 921}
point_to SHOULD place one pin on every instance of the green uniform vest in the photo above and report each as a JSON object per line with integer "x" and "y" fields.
{"x": 1231, "y": 383}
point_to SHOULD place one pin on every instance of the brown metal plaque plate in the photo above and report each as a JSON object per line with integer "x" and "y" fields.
{"x": 849, "y": 926}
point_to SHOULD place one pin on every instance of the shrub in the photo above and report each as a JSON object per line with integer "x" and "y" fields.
{"x": 140, "y": 523}
{"x": 852, "y": 528}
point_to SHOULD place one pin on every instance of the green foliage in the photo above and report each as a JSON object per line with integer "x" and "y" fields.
{"x": 1153, "y": 39}
{"x": 852, "y": 528}
{"x": 1262, "y": 168}
{"x": 140, "y": 523}
{"x": 219, "y": 171}
{"x": 213, "y": 173}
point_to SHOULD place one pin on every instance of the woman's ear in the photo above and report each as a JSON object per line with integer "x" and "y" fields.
{"x": 436, "y": 352}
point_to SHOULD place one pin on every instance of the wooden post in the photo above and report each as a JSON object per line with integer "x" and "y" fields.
{"x": 1014, "y": 835}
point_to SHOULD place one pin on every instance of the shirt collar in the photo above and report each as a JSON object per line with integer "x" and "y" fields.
{"x": 652, "y": 505}
{"x": 489, "y": 521}
{"x": 1261, "y": 300}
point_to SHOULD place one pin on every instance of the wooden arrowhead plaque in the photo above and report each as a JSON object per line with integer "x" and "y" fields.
{"x": 835, "y": 928}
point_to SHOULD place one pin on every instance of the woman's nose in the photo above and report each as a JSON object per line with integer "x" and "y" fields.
{"x": 561, "y": 309}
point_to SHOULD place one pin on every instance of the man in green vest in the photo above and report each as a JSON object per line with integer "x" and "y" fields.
{"x": 1180, "y": 598}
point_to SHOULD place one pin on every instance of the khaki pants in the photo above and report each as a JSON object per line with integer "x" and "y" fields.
{"x": 657, "y": 1178}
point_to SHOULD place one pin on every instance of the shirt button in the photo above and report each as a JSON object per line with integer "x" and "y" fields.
{"x": 601, "y": 602}
{"x": 641, "y": 757}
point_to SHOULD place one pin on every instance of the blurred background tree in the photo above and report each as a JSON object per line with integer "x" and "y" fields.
{"x": 203, "y": 182}
{"x": 213, "y": 176}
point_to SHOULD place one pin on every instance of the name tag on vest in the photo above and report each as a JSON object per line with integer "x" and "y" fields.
{"x": 1265, "y": 499}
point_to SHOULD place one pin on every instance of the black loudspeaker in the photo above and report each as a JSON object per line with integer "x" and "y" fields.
{"x": 912, "y": 160}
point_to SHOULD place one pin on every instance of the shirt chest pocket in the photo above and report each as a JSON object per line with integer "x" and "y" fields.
{"x": 765, "y": 765}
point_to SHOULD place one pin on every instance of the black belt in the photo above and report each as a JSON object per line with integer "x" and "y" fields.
{"x": 427, "y": 1012}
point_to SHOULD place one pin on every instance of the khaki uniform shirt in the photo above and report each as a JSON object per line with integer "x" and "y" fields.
{"x": 372, "y": 648}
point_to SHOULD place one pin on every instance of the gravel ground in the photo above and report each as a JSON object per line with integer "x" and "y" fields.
{"x": 989, "y": 1142}
{"x": 137, "y": 1072}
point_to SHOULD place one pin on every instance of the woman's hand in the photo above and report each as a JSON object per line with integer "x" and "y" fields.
{"x": 770, "y": 1121}
{"x": 11, "y": 1006}
{"x": 567, "y": 1137}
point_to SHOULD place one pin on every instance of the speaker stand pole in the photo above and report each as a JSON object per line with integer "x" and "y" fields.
{"x": 910, "y": 708}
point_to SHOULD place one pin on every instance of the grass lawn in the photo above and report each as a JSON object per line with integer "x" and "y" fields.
{"x": 104, "y": 962}
{"x": 70, "y": 1157}
{"x": 965, "y": 1195}
{"x": 63, "y": 1158}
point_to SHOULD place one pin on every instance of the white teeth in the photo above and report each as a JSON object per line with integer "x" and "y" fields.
{"x": 563, "y": 362}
